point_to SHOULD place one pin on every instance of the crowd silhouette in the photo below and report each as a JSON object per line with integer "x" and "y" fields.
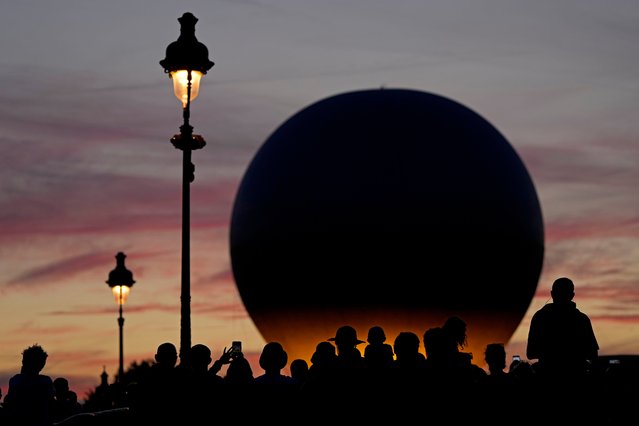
{"x": 351, "y": 380}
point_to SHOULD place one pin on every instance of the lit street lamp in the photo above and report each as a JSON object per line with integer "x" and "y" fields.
{"x": 120, "y": 280}
{"x": 187, "y": 60}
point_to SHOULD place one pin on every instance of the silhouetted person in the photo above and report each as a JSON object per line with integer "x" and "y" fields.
{"x": 30, "y": 395}
{"x": 562, "y": 339}
{"x": 406, "y": 349}
{"x": 224, "y": 359}
{"x": 456, "y": 329}
{"x": 204, "y": 390}
{"x": 346, "y": 341}
{"x": 163, "y": 392}
{"x": 299, "y": 370}
{"x": 499, "y": 392}
{"x": 322, "y": 372}
{"x": 440, "y": 383}
{"x": 240, "y": 393}
{"x": 407, "y": 372}
{"x": 440, "y": 355}
{"x": 350, "y": 369}
{"x": 451, "y": 379}
{"x": 166, "y": 356}
{"x": 65, "y": 401}
{"x": 378, "y": 354}
{"x": 272, "y": 360}
{"x": 378, "y": 360}
{"x": 526, "y": 388}
{"x": 495, "y": 357}
{"x": 239, "y": 373}
{"x": 273, "y": 387}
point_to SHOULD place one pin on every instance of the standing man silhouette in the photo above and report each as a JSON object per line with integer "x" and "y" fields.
{"x": 561, "y": 337}
{"x": 31, "y": 394}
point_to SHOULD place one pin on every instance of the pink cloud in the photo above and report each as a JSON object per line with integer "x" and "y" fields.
{"x": 233, "y": 310}
{"x": 61, "y": 269}
{"x": 111, "y": 204}
{"x": 599, "y": 226}
{"x": 28, "y": 328}
{"x": 137, "y": 308}
{"x": 632, "y": 319}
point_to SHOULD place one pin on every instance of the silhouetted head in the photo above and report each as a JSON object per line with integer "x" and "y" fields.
{"x": 34, "y": 358}
{"x": 273, "y": 357}
{"x": 376, "y": 335}
{"x": 523, "y": 370}
{"x": 166, "y": 354}
{"x": 61, "y": 386}
{"x": 200, "y": 356}
{"x": 456, "y": 328}
{"x": 239, "y": 371}
{"x": 438, "y": 344}
{"x": 299, "y": 369}
{"x": 495, "y": 356}
{"x": 406, "y": 344}
{"x": 346, "y": 336}
{"x": 324, "y": 354}
{"x": 563, "y": 290}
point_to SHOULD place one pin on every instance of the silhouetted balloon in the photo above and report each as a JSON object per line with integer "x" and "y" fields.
{"x": 388, "y": 207}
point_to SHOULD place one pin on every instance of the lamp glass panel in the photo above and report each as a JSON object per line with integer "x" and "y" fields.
{"x": 121, "y": 290}
{"x": 180, "y": 85}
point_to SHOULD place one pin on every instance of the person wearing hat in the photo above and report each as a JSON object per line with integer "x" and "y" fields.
{"x": 352, "y": 380}
{"x": 346, "y": 341}
{"x": 349, "y": 362}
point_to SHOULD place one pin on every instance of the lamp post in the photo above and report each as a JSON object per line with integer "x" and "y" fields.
{"x": 186, "y": 62}
{"x": 120, "y": 280}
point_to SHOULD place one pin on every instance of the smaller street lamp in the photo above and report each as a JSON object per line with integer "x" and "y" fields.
{"x": 120, "y": 280}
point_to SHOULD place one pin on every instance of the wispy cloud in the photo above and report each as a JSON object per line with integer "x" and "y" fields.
{"x": 60, "y": 269}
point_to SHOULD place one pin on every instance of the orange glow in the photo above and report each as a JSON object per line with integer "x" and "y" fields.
{"x": 181, "y": 82}
{"x": 121, "y": 293}
{"x": 299, "y": 330}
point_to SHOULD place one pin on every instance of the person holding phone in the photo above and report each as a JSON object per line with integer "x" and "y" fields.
{"x": 234, "y": 351}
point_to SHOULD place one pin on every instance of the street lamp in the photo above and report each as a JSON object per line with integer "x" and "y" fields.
{"x": 120, "y": 280}
{"x": 187, "y": 60}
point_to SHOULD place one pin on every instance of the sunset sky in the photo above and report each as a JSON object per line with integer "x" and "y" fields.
{"x": 87, "y": 169}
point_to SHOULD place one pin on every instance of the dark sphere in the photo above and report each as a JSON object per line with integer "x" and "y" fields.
{"x": 388, "y": 207}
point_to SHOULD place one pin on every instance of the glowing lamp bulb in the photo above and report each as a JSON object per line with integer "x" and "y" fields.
{"x": 181, "y": 84}
{"x": 121, "y": 293}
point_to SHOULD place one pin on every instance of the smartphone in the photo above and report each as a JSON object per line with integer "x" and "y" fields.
{"x": 236, "y": 347}
{"x": 516, "y": 358}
